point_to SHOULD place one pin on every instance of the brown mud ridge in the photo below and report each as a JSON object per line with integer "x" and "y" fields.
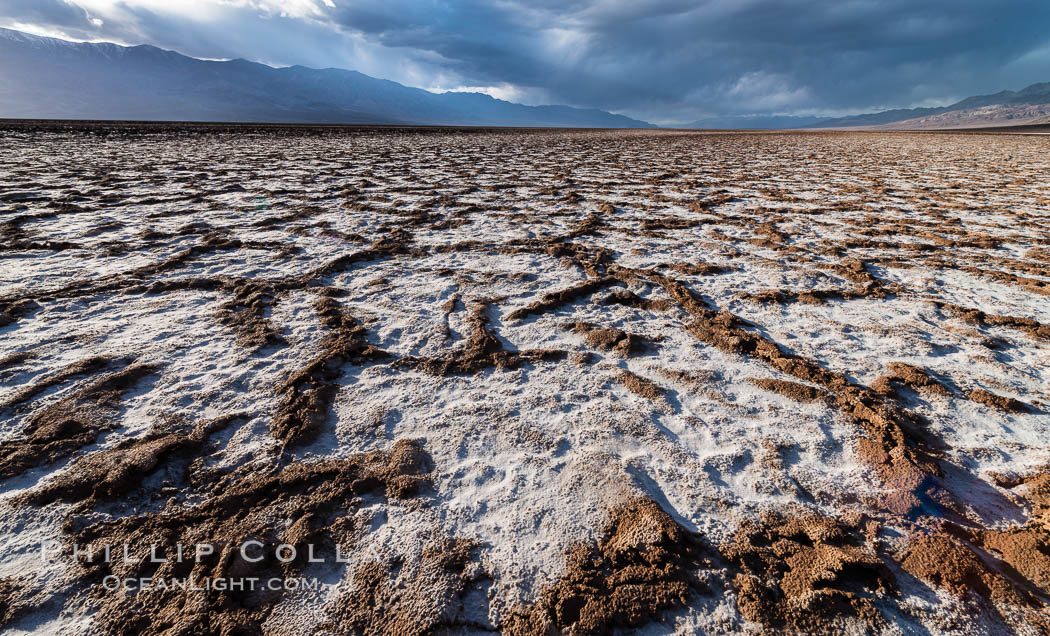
{"x": 1024, "y": 548}
{"x": 628, "y": 298}
{"x": 13, "y": 360}
{"x": 74, "y": 421}
{"x": 112, "y": 474}
{"x": 12, "y": 310}
{"x": 919, "y": 380}
{"x": 301, "y": 504}
{"x": 947, "y": 563}
{"x": 794, "y": 390}
{"x": 796, "y": 571}
{"x": 700, "y": 269}
{"x": 483, "y": 350}
{"x": 9, "y": 607}
{"x": 642, "y": 387}
{"x": 916, "y": 378}
{"x": 890, "y": 444}
{"x": 610, "y": 339}
{"x": 866, "y": 285}
{"x": 563, "y": 297}
{"x": 307, "y": 394}
{"x": 87, "y": 366}
{"x": 251, "y": 298}
{"x": 998, "y": 402}
{"x": 246, "y": 313}
{"x": 978, "y": 317}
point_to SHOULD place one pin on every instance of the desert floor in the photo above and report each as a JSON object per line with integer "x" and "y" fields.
{"x": 527, "y": 380}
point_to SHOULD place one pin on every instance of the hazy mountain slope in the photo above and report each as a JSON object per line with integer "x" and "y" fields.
{"x": 1003, "y": 108}
{"x": 983, "y": 117}
{"x": 1006, "y": 108}
{"x": 878, "y": 119}
{"x": 51, "y": 78}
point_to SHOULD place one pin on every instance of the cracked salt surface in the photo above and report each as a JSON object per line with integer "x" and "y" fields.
{"x": 529, "y": 461}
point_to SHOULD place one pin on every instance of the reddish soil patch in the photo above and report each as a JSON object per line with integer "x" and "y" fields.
{"x": 948, "y": 564}
{"x": 793, "y": 390}
{"x": 915, "y": 378}
{"x": 644, "y": 563}
{"x": 998, "y": 402}
{"x": 609, "y": 339}
{"x": 978, "y": 317}
{"x": 806, "y": 572}
{"x": 1026, "y": 549}
{"x": 640, "y": 386}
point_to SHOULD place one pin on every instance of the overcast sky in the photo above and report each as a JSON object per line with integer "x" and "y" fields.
{"x": 665, "y": 61}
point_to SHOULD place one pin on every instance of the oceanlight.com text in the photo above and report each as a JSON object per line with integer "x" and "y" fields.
{"x": 113, "y": 583}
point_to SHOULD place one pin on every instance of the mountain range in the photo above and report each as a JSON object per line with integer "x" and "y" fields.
{"x": 49, "y": 78}
{"x": 1006, "y": 108}
{"x": 1029, "y": 106}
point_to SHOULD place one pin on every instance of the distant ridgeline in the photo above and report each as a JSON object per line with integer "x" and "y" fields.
{"x": 48, "y": 78}
{"x": 1006, "y": 108}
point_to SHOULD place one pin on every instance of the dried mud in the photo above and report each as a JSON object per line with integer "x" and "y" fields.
{"x": 74, "y": 421}
{"x": 483, "y": 350}
{"x": 949, "y": 565}
{"x": 807, "y": 573}
{"x": 422, "y": 597}
{"x": 301, "y": 504}
{"x": 560, "y": 298}
{"x": 307, "y": 393}
{"x": 610, "y": 339}
{"x": 640, "y": 386}
{"x": 114, "y": 473}
{"x": 644, "y": 564}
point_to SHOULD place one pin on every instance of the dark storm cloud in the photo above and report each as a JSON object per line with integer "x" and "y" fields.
{"x": 726, "y": 56}
{"x": 49, "y": 12}
{"x": 662, "y": 60}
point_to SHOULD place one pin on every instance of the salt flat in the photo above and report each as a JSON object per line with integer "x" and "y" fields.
{"x": 528, "y": 380}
